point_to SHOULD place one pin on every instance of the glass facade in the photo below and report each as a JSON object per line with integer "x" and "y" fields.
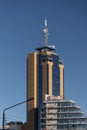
{"x": 55, "y": 75}
{"x": 39, "y": 89}
{"x": 55, "y": 79}
{"x": 55, "y": 72}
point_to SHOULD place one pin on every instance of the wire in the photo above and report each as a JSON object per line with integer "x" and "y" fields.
{"x": 7, "y": 115}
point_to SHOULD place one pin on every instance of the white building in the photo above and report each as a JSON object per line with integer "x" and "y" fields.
{"x": 61, "y": 114}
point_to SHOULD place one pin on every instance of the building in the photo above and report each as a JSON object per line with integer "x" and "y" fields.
{"x": 62, "y": 114}
{"x": 45, "y": 83}
{"x": 45, "y": 75}
{"x": 14, "y": 126}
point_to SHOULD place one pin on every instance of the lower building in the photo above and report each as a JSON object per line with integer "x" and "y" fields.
{"x": 13, "y": 126}
{"x": 62, "y": 114}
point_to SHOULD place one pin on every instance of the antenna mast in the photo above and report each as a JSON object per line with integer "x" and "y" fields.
{"x": 45, "y": 31}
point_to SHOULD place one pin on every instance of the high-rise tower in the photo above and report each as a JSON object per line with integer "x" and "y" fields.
{"x": 45, "y": 75}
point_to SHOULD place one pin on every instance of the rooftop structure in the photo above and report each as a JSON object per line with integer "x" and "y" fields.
{"x": 13, "y": 126}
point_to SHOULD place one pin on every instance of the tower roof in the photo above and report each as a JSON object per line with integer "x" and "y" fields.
{"x": 47, "y": 48}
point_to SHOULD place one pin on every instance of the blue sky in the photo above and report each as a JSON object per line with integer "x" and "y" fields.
{"x": 21, "y": 30}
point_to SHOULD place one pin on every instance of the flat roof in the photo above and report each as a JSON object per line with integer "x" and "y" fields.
{"x": 48, "y": 48}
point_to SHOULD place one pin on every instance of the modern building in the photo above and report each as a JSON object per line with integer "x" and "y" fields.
{"x": 62, "y": 114}
{"x": 45, "y": 75}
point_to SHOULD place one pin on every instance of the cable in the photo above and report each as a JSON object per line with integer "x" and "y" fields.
{"x": 15, "y": 116}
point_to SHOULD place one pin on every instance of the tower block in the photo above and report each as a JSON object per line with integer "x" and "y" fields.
{"x": 45, "y": 75}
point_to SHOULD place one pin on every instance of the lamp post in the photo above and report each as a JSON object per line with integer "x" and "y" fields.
{"x": 3, "y": 127}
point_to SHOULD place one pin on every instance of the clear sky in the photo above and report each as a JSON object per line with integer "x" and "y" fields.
{"x": 21, "y": 30}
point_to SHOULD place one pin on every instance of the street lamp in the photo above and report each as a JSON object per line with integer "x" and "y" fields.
{"x": 3, "y": 127}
